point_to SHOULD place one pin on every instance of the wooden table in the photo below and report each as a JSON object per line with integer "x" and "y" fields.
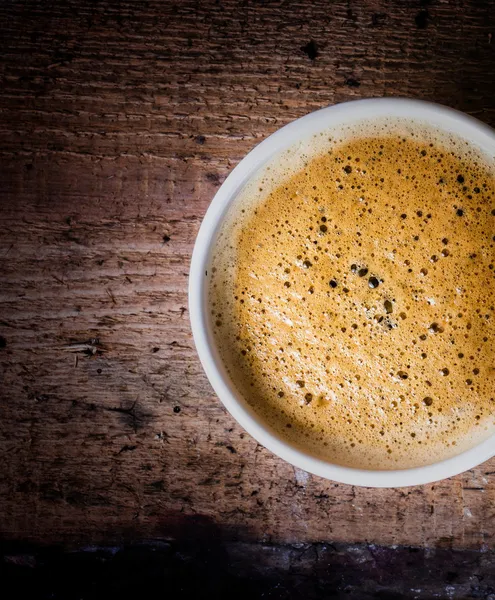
{"x": 119, "y": 121}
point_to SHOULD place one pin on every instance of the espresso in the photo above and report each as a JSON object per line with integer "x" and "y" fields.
{"x": 352, "y": 297}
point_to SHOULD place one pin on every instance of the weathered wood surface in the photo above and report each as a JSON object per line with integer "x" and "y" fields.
{"x": 119, "y": 120}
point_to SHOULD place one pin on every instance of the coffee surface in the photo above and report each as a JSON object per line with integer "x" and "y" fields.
{"x": 353, "y": 301}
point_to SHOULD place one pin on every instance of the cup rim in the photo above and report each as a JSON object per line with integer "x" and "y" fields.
{"x": 440, "y": 116}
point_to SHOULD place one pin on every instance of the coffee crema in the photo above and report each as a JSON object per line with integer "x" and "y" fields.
{"x": 352, "y": 296}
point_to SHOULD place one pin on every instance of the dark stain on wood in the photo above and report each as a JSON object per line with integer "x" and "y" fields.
{"x": 311, "y": 49}
{"x": 421, "y": 19}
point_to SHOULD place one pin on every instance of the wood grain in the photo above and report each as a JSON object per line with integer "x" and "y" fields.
{"x": 118, "y": 122}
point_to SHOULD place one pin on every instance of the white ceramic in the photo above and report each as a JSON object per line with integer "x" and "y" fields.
{"x": 440, "y": 117}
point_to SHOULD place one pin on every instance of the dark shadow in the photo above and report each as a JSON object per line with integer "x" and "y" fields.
{"x": 200, "y": 565}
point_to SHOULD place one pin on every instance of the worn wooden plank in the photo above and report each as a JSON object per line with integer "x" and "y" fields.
{"x": 118, "y": 122}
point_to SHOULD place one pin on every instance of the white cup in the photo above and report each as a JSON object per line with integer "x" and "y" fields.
{"x": 348, "y": 113}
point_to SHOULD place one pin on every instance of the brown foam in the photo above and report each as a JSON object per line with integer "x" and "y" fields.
{"x": 353, "y": 299}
